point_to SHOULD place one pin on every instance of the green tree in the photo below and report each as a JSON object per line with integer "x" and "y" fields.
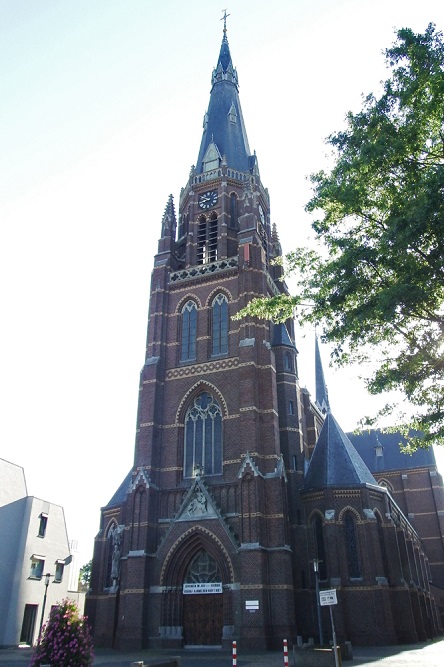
{"x": 85, "y": 576}
{"x": 376, "y": 285}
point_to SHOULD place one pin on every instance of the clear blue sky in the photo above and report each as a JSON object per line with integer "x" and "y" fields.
{"x": 101, "y": 116}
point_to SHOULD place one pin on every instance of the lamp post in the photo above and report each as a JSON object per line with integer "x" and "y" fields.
{"x": 318, "y": 604}
{"x": 47, "y": 578}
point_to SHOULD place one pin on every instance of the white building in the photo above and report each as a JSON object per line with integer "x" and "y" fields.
{"x": 34, "y": 542}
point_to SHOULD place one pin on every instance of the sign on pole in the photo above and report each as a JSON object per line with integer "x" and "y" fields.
{"x": 328, "y": 597}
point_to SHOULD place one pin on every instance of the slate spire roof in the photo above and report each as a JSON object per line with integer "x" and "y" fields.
{"x": 335, "y": 462}
{"x": 321, "y": 387}
{"x": 224, "y": 128}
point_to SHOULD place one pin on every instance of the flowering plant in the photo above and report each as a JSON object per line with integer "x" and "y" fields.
{"x": 65, "y": 640}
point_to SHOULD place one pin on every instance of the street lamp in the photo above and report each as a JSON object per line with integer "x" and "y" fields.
{"x": 47, "y": 578}
{"x": 316, "y": 562}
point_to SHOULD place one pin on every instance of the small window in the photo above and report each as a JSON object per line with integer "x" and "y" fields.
{"x": 60, "y": 566}
{"x": 232, "y": 115}
{"x": 37, "y": 565}
{"x": 43, "y": 524}
{"x": 291, "y": 407}
{"x": 295, "y": 462}
{"x": 288, "y": 362}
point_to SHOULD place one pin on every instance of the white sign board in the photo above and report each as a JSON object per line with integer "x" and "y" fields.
{"x": 328, "y": 597}
{"x": 204, "y": 588}
{"x": 251, "y": 605}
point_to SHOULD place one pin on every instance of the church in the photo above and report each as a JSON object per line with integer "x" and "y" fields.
{"x": 245, "y": 497}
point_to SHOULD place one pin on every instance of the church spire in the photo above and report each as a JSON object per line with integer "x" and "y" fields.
{"x": 224, "y": 135}
{"x": 321, "y": 387}
{"x": 169, "y": 219}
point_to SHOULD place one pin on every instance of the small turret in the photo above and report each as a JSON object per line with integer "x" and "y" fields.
{"x": 169, "y": 222}
{"x": 167, "y": 242}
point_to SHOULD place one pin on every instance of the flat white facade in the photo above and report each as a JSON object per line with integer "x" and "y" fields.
{"x": 33, "y": 542}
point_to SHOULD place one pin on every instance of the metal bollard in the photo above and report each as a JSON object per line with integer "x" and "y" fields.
{"x": 285, "y": 653}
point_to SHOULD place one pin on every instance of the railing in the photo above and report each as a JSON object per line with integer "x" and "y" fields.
{"x": 204, "y": 269}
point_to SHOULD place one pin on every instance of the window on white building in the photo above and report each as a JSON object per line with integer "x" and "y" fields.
{"x": 60, "y": 564}
{"x": 43, "y": 524}
{"x": 37, "y": 565}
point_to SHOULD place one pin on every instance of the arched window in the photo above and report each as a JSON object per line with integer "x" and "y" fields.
{"x": 138, "y": 518}
{"x": 203, "y": 436}
{"x": 288, "y": 362}
{"x": 383, "y": 548}
{"x": 318, "y": 535}
{"x": 203, "y": 570}
{"x": 219, "y": 328}
{"x": 189, "y": 329}
{"x": 351, "y": 545}
{"x": 109, "y": 554}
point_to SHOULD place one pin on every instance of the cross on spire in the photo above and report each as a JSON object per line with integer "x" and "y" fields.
{"x": 224, "y": 19}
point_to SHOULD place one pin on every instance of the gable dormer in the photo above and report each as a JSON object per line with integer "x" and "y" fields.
{"x": 212, "y": 158}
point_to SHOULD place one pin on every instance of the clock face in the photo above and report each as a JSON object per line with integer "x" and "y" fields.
{"x": 208, "y": 199}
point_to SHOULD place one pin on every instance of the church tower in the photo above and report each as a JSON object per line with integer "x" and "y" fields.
{"x": 195, "y": 548}
{"x": 240, "y": 482}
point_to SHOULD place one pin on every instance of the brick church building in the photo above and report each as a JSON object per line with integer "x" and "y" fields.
{"x": 241, "y": 483}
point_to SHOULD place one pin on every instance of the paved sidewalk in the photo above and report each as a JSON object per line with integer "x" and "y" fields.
{"x": 430, "y": 654}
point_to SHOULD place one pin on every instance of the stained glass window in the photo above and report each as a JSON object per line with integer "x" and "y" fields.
{"x": 203, "y": 570}
{"x": 203, "y": 436}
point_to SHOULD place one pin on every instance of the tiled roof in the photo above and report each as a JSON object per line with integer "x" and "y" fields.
{"x": 120, "y": 495}
{"x": 381, "y": 451}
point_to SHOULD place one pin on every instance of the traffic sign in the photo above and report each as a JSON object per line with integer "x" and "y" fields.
{"x": 328, "y": 597}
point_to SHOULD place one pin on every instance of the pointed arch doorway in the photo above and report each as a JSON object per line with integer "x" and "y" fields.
{"x": 203, "y": 617}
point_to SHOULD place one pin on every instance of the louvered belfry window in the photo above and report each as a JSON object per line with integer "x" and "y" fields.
{"x": 203, "y": 437}
{"x": 207, "y": 240}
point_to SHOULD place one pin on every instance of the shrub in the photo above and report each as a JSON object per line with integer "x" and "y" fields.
{"x": 66, "y": 639}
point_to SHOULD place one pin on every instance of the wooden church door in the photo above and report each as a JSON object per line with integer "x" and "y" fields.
{"x": 202, "y": 603}
{"x": 203, "y": 619}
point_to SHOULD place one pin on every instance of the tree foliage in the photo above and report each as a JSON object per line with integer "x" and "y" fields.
{"x": 66, "y": 640}
{"x": 85, "y": 576}
{"x": 376, "y": 285}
